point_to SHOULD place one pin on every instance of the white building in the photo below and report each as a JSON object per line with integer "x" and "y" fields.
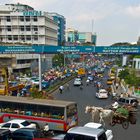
{"x": 20, "y": 24}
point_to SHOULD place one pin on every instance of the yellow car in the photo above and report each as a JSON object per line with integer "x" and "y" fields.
{"x": 109, "y": 82}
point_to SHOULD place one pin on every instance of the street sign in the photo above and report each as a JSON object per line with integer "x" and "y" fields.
{"x": 72, "y": 55}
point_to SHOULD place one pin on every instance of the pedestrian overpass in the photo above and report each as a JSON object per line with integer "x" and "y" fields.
{"x": 42, "y": 49}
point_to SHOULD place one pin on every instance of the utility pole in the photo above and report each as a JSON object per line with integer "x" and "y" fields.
{"x": 40, "y": 78}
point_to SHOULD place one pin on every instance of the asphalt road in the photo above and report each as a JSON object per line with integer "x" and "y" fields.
{"x": 87, "y": 97}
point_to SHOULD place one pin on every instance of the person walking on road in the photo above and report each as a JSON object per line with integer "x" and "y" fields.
{"x": 61, "y": 89}
{"x": 67, "y": 86}
{"x": 87, "y": 82}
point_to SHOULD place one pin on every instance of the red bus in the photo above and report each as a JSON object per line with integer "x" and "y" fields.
{"x": 58, "y": 115}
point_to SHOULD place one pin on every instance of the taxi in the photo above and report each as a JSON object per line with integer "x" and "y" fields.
{"x": 109, "y": 81}
{"x": 102, "y": 93}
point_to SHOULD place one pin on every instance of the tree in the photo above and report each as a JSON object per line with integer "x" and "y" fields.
{"x": 123, "y": 74}
{"x": 58, "y": 60}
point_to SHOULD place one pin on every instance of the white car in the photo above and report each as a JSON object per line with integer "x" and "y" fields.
{"x": 16, "y": 124}
{"x": 108, "y": 133}
{"x": 77, "y": 82}
{"x": 102, "y": 93}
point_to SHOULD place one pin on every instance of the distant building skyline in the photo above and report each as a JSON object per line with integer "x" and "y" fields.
{"x": 77, "y": 37}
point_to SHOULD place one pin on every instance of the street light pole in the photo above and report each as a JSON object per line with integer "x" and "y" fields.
{"x": 64, "y": 60}
{"x": 40, "y": 78}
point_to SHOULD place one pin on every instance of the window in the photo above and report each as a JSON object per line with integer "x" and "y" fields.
{"x": 8, "y": 19}
{"x": 35, "y": 37}
{"x": 123, "y": 100}
{"x": 28, "y": 37}
{"x": 22, "y": 28}
{"x": 127, "y": 101}
{"x": 21, "y": 18}
{"x": 14, "y": 125}
{"x": 15, "y": 37}
{"x": 9, "y": 28}
{"x": 7, "y": 125}
{"x": 28, "y": 28}
{"x": 25, "y": 123}
{"x": 35, "y": 19}
{"x": 27, "y": 18}
{"x": 9, "y": 37}
{"x": 22, "y": 38}
{"x": 35, "y": 28}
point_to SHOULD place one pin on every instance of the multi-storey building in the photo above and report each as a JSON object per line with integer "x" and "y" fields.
{"x": 71, "y": 36}
{"x": 21, "y": 24}
{"x": 61, "y": 27}
{"x": 76, "y": 37}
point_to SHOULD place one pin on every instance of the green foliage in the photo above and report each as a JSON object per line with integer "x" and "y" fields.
{"x": 121, "y": 44}
{"x": 137, "y": 56}
{"x": 123, "y": 111}
{"x": 58, "y": 60}
{"x": 123, "y": 74}
{"x": 129, "y": 77}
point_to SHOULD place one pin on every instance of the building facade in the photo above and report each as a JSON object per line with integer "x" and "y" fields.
{"x": 71, "y": 35}
{"x": 21, "y": 25}
{"x": 61, "y": 21}
{"x": 77, "y": 38}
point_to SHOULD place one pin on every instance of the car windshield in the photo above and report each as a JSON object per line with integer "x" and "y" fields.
{"x": 25, "y": 123}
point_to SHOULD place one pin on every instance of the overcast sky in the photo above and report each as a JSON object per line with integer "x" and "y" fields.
{"x": 112, "y": 20}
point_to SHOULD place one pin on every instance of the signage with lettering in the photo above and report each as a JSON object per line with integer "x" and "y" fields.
{"x": 32, "y": 13}
{"x": 70, "y": 49}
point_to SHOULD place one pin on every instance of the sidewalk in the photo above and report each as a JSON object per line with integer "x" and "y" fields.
{"x": 122, "y": 89}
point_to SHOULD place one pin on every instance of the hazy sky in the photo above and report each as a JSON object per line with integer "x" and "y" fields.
{"x": 113, "y": 20}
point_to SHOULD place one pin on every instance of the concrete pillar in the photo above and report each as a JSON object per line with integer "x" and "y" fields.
{"x": 124, "y": 60}
{"x": 136, "y": 66}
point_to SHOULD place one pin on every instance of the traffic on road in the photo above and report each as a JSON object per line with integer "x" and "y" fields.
{"x": 82, "y": 107}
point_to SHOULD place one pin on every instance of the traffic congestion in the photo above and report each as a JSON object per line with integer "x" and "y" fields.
{"x": 87, "y": 101}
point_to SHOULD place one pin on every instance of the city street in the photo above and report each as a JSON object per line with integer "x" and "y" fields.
{"x": 87, "y": 97}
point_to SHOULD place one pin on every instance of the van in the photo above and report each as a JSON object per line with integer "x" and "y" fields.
{"x": 128, "y": 101}
{"x": 85, "y": 133}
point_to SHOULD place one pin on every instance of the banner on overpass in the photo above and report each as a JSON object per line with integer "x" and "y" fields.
{"x": 74, "y": 49}
{"x": 117, "y": 49}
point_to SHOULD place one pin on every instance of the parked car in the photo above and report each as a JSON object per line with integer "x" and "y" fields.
{"x": 102, "y": 93}
{"x": 108, "y": 133}
{"x": 26, "y": 134}
{"x": 128, "y": 101}
{"x": 16, "y": 124}
{"x": 77, "y": 82}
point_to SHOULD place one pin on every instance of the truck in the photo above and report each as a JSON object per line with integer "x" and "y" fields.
{"x": 82, "y": 72}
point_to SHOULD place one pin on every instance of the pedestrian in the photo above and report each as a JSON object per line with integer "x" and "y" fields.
{"x": 121, "y": 95}
{"x": 87, "y": 82}
{"x": 81, "y": 86}
{"x": 18, "y": 93}
{"x": 117, "y": 85}
{"x": 61, "y": 89}
{"x": 67, "y": 86}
